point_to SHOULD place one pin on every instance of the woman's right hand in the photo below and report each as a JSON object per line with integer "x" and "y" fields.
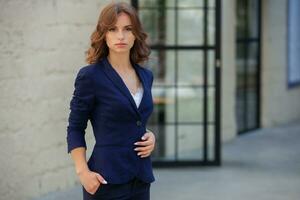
{"x": 91, "y": 181}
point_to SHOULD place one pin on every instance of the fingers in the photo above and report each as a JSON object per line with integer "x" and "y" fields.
{"x": 146, "y": 136}
{"x": 93, "y": 188}
{"x": 91, "y": 183}
{"x": 144, "y": 151}
{"x": 144, "y": 143}
{"x": 147, "y": 140}
{"x": 144, "y": 154}
{"x": 101, "y": 179}
{"x": 146, "y": 148}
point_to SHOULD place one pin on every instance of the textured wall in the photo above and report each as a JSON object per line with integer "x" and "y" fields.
{"x": 42, "y": 44}
{"x": 279, "y": 104}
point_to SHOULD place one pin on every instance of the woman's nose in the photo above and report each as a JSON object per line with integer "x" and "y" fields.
{"x": 120, "y": 35}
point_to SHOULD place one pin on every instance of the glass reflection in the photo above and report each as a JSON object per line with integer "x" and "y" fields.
{"x": 190, "y": 104}
{"x": 190, "y": 142}
{"x": 164, "y": 105}
{"x": 190, "y": 67}
{"x": 162, "y": 64}
{"x": 190, "y": 27}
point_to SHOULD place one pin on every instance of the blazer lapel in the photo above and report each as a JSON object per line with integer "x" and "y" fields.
{"x": 119, "y": 83}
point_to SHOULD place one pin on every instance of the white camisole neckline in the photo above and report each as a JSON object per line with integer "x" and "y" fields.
{"x": 138, "y": 96}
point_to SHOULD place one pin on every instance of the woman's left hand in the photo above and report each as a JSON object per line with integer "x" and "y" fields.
{"x": 146, "y": 146}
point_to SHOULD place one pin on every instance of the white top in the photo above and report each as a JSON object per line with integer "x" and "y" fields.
{"x": 138, "y": 96}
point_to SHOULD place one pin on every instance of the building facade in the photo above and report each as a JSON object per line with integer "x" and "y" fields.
{"x": 222, "y": 68}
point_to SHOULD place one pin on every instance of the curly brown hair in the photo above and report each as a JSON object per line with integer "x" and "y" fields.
{"x": 140, "y": 51}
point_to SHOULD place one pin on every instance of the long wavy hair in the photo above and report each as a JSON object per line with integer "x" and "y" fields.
{"x": 140, "y": 51}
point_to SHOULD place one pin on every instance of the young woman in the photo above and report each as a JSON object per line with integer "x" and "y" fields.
{"x": 114, "y": 93}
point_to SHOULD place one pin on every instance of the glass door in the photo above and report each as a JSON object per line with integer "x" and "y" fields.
{"x": 185, "y": 59}
{"x": 248, "y": 65}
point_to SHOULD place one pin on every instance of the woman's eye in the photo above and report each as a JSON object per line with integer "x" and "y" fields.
{"x": 128, "y": 29}
{"x": 111, "y": 29}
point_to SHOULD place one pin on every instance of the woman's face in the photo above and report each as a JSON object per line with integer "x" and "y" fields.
{"x": 120, "y": 38}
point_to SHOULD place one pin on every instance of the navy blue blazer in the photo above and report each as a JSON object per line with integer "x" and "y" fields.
{"x": 102, "y": 97}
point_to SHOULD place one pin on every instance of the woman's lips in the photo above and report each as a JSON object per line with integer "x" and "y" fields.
{"x": 121, "y": 44}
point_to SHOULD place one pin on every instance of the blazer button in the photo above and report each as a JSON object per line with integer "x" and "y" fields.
{"x": 138, "y": 123}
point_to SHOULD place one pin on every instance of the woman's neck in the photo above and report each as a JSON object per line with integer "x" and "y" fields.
{"x": 119, "y": 61}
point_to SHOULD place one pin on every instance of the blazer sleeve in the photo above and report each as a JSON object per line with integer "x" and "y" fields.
{"x": 151, "y": 78}
{"x": 151, "y": 73}
{"x": 81, "y": 106}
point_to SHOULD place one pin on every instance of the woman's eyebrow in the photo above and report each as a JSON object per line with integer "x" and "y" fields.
{"x": 126, "y": 25}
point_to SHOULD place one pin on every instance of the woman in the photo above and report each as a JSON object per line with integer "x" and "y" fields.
{"x": 114, "y": 93}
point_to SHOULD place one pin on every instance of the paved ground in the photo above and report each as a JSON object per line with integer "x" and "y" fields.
{"x": 261, "y": 165}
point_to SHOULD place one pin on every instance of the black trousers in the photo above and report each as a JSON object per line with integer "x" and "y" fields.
{"x": 133, "y": 190}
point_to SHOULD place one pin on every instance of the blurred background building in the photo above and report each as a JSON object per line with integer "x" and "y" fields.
{"x": 222, "y": 68}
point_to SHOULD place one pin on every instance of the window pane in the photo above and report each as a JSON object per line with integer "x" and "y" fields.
{"x": 150, "y": 23}
{"x": 190, "y": 3}
{"x": 164, "y": 104}
{"x": 190, "y": 27}
{"x": 162, "y": 64}
{"x": 240, "y": 110}
{"x": 252, "y": 79}
{"x": 151, "y": 3}
{"x": 190, "y": 142}
{"x": 211, "y": 27}
{"x": 211, "y": 142}
{"x": 240, "y": 87}
{"x": 252, "y": 108}
{"x": 190, "y": 67}
{"x": 190, "y": 104}
{"x": 164, "y": 142}
{"x": 170, "y": 3}
{"x": 159, "y": 25}
{"x": 170, "y": 27}
{"x": 253, "y": 18}
{"x": 212, "y": 3}
{"x": 252, "y": 58}
{"x": 211, "y": 104}
{"x": 240, "y": 17}
{"x": 240, "y": 64}
{"x": 211, "y": 67}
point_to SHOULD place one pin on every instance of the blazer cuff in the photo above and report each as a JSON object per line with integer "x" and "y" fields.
{"x": 75, "y": 139}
